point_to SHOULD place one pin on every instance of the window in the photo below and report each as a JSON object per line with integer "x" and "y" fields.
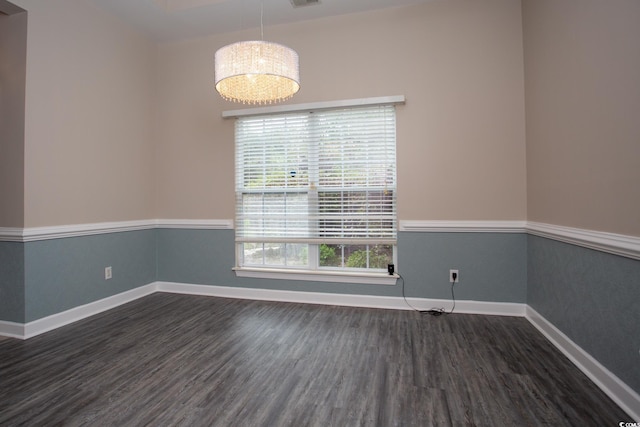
{"x": 316, "y": 190}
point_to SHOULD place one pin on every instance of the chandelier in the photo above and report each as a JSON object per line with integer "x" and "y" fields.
{"x": 257, "y": 72}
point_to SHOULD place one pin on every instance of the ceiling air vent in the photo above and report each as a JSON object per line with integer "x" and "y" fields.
{"x": 298, "y": 3}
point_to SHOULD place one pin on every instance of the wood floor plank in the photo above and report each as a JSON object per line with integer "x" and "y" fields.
{"x": 170, "y": 359}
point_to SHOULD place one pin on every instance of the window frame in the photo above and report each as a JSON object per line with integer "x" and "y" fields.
{"x": 313, "y": 271}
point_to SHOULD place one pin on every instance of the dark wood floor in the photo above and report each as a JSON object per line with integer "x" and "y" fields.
{"x": 189, "y": 360}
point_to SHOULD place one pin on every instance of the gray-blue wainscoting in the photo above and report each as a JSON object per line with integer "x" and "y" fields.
{"x": 12, "y": 282}
{"x": 592, "y": 297}
{"x": 45, "y": 277}
{"x": 492, "y": 265}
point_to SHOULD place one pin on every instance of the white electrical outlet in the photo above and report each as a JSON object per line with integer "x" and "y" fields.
{"x": 453, "y": 279}
{"x": 108, "y": 273}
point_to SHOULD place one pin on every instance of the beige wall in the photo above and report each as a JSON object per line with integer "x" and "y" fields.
{"x": 582, "y": 67}
{"x": 89, "y": 154}
{"x": 102, "y": 102}
{"x": 13, "y": 48}
{"x": 461, "y": 134}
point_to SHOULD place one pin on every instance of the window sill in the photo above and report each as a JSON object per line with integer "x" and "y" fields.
{"x": 318, "y": 276}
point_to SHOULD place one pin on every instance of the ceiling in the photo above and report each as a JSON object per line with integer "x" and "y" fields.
{"x": 171, "y": 20}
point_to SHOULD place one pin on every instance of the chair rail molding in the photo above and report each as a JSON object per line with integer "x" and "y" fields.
{"x": 31, "y": 234}
{"x": 617, "y": 244}
{"x": 463, "y": 226}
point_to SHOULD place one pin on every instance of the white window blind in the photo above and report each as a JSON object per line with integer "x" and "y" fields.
{"x": 317, "y": 177}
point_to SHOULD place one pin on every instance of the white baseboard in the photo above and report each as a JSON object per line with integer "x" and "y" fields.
{"x": 57, "y": 320}
{"x": 284, "y": 296}
{"x": 11, "y": 329}
{"x": 608, "y": 382}
{"x": 470, "y": 307}
{"x": 46, "y": 324}
{"x": 349, "y": 300}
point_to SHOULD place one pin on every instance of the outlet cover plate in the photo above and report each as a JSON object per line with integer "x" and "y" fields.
{"x": 451, "y": 276}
